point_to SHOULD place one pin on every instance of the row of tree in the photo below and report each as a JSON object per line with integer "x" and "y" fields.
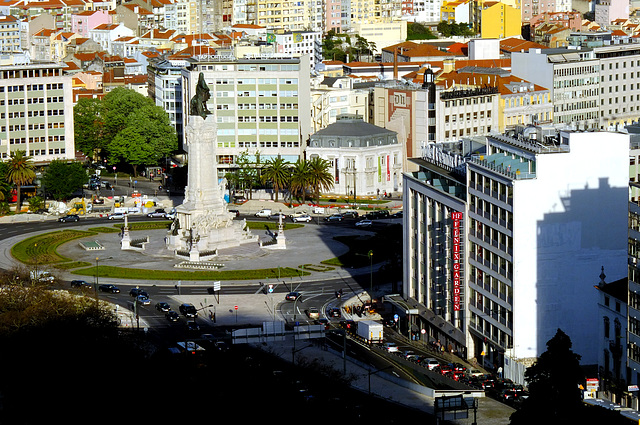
{"x": 298, "y": 177}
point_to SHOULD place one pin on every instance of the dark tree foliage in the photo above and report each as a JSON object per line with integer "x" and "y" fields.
{"x": 554, "y": 390}
{"x": 61, "y": 180}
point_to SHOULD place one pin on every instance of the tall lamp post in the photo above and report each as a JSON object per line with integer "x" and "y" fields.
{"x": 370, "y": 254}
{"x": 95, "y": 288}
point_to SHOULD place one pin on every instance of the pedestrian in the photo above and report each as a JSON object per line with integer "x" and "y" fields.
{"x": 500, "y": 372}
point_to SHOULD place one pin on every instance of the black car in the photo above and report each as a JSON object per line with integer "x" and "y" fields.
{"x": 236, "y": 212}
{"x": 162, "y": 306}
{"x": 70, "y": 217}
{"x": 292, "y": 296}
{"x": 334, "y": 217}
{"x": 80, "y": 284}
{"x": 172, "y": 316}
{"x": 188, "y": 310}
{"x": 192, "y": 326}
{"x": 350, "y": 214}
{"x": 138, "y": 291}
{"x": 109, "y": 288}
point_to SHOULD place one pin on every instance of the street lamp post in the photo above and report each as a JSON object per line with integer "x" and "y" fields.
{"x": 370, "y": 254}
{"x": 95, "y": 288}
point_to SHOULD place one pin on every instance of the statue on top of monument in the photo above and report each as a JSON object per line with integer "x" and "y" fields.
{"x": 198, "y": 105}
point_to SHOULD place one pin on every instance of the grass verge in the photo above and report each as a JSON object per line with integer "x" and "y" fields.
{"x": 41, "y": 249}
{"x": 131, "y": 273}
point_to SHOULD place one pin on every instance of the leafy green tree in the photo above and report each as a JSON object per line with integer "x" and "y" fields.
{"x": 88, "y": 127}
{"x": 119, "y": 125}
{"x": 300, "y": 179}
{"x": 554, "y": 383}
{"x": 21, "y": 172}
{"x": 418, "y": 31}
{"x": 277, "y": 172}
{"x": 319, "y": 176}
{"x": 146, "y": 138}
{"x": 5, "y": 187}
{"x": 448, "y": 29}
{"x": 61, "y": 179}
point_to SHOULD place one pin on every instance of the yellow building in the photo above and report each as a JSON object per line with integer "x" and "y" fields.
{"x": 499, "y": 20}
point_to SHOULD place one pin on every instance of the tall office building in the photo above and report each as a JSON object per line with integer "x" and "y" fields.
{"x": 36, "y": 112}
{"x": 505, "y": 236}
{"x": 260, "y": 104}
{"x": 164, "y": 85}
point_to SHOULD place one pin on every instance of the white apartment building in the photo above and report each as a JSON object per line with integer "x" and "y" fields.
{"x": 260, "y": 104}
{"x": 573, "y": 75}
{"x": 505, "y": 237}
{"x": 164, "y": 84}
{"x": 298, "y": 43}
{"x": 36, "y": 112}
{"x": 595, "y": 88}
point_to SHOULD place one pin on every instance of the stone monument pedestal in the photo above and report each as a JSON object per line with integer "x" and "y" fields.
{"x": 203, "y": 225}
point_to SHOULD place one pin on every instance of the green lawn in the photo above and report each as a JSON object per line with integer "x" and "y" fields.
{"x": 131, "y": 273}
{"x": 42, "y": 249}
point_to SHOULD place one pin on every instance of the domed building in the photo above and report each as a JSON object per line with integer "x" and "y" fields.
{"x": 366, "y": 159}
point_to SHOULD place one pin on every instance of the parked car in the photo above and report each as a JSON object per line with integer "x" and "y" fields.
{"x": 292, "y": 296}
{"x": 397, "y": 215}
{"x": 112, "y": 289}
{"x": 235, "y": 212}
{"x": 80, "y": 284}
{"x": 297, "y": 214}
{"x": 172, "y": 316}
{"x": 350, "y": 214}
{"x": 188, "y": 310}
{"x": 162, "y": 306}
{"x": 116, "y": 216}
{"x": 70, "y": 217}
{"x": 304, "y": 217}
{"x": 334, "y": 217}
{"x": 364, "y": 223}
{"x": 159, "y": 213}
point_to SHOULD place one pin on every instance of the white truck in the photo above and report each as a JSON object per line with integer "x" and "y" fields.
{"x": 370, "y": 331}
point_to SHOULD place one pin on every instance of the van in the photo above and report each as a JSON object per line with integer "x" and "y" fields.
{"x": 264, "y": 213}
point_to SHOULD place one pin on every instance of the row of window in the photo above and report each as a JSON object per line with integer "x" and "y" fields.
{"x": 31, "y": 87}
{"x": 253, "y": 118}
{"x": 241, "y": 81}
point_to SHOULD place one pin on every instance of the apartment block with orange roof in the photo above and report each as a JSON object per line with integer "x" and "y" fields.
{"x": 106, "y": 34}
{"x": 87, "y": 20}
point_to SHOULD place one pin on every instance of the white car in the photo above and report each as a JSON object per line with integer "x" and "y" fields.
{"x": 304, "y": 217}
{"x": 298, "y": 214}
{"x": 116, "y": 216}
{"x": 431, "y": 363}
{"x": 391, "y": 347}
{"x": 364, "y": 223}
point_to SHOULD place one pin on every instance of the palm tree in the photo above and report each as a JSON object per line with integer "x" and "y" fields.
{"x": 277, "y": 172}
{"x": 300, "y": 178}
{"x": 319, "y": 176}
{"x": 21, "y": 172}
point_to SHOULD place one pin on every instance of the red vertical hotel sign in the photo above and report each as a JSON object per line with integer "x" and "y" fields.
{"x": 457, "y": 218}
